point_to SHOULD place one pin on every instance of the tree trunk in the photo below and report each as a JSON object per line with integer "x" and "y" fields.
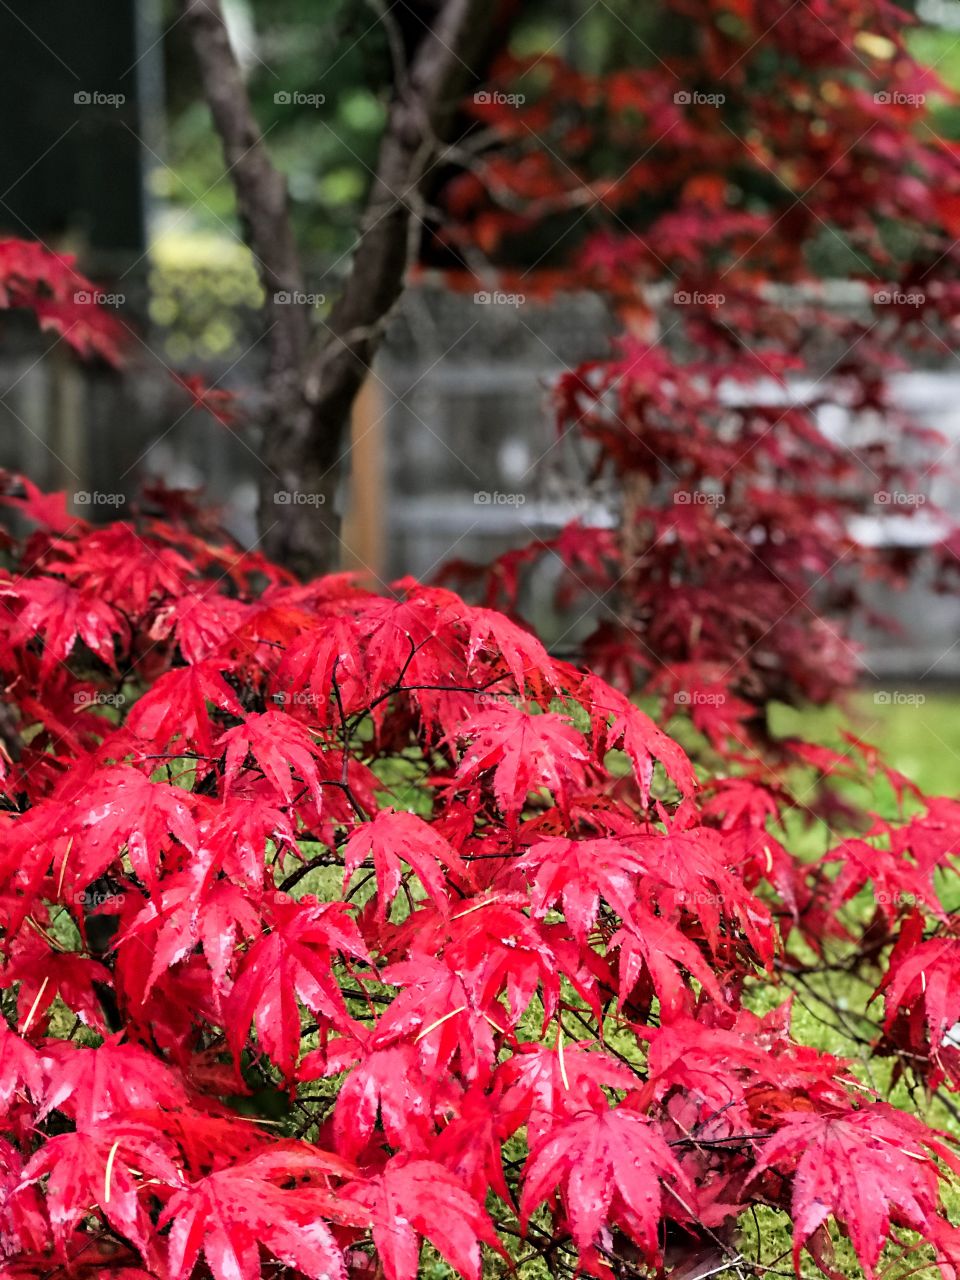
{"x": 315, "y": 379}
{"x": 299, "y": 516}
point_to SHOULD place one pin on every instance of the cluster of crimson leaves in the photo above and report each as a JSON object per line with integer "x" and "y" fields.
{"x": 59, "y": 298}
{"x": 764, "y": 148}
{"x": 462, "y": 908}
{"x": 63, "y": 301}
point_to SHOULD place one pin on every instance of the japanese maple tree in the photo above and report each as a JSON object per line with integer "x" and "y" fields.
{"x": 709, "y": 190}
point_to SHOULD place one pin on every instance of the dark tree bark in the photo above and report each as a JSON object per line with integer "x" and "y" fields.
{"x": 314, "y": 378}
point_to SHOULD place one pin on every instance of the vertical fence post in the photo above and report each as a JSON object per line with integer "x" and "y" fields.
{"x": 363, "y": 530}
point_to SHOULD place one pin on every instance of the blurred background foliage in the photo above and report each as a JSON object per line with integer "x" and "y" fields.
{"x": 341, "y": 50}
{"x": 337, "y": 56}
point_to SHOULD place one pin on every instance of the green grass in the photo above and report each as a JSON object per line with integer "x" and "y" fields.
{"x": 916, "y": 731}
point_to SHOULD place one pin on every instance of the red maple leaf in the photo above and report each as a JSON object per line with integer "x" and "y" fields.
{"x": 294, "y": 960}
{"x": 44, "y": 974}
{"x": 925, "y": 976}
{"x": 63, "y": 614}
{"x": 49, "y": 510}
{"x": 609, "y": 1166}
{"x": 542, "y": 1084}
{"x": 617, "y": 722}
{"x": 502, "y": 641}
{"x": 393, "y": 836}
{"x": 525, "y": 752}
{"x": 95, "y": 1085}
{"x": 230, "y": 1214}
{"x": 384, "y": 1081}
{"x": 194, "y": 909}
{"x": 281, "y": 748}
{"x": 218, "y": 402}
{"x": 22, "y": 1067}
{"x": 412, "y": 1198}
{"x": 864, "y": 1168}
{"x": 174, "y": 712}
{"x": 87, "y": 1170}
